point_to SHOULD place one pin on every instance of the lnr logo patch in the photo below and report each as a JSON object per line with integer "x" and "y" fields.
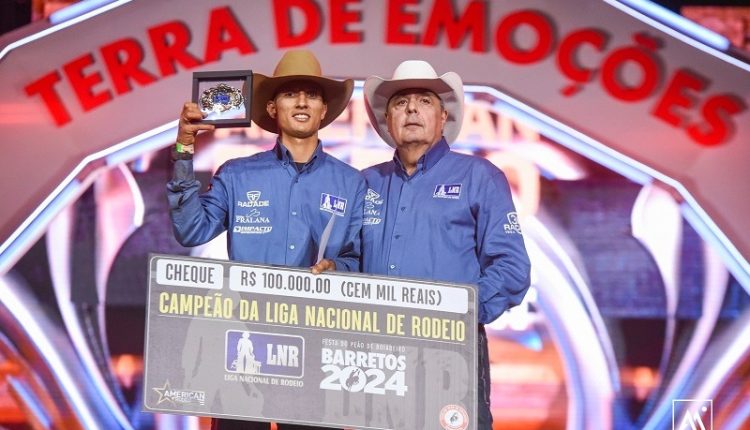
{"x": 332, "y": 204}
{"x": 264, "y": 354}
{"x": 447, "y": 191}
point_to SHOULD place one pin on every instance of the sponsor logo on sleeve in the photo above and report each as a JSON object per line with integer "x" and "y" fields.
{"x": 447, "y": 191}
{"x": 332, "y": 204}
{"x": 512, "y": 226}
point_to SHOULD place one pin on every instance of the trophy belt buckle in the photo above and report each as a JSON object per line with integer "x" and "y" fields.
{"x": 221, "y": 98}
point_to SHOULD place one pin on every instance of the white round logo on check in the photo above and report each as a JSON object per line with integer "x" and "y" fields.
{"x": 454, "y": 417}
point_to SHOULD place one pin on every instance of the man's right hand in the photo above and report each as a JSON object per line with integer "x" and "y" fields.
{"x": 323, "y": 265}
{"x": 188, "y": 126}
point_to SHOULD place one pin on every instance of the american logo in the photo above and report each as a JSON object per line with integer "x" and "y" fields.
{"x": 447, "y": 191}
{"x": 175, "y": 396}
{"x": 332, "y": 204}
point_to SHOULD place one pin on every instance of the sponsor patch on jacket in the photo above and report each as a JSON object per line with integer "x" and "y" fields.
{"x": 373, "y": 202}
{"x": 252, "y": 229}
{"x": 253, "y": 201}
{"x": 333, "y": 204}
{"x": 372, "y": 199}
{"x": 513, "y": 226}
{"x": 447, "y": 191}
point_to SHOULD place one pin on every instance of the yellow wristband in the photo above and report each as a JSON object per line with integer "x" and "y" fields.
{"x": 184, "y": 149}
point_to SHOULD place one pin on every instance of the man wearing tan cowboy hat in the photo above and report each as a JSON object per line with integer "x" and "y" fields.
{"x": 432, "y": 213}
{"x": 293, "y": 205}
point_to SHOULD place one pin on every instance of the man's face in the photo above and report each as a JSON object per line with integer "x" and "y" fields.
{"x": 415, "y": 117}
{"x": 298, "y": 108}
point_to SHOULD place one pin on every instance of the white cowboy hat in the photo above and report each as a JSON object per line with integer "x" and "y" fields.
{"x": 298, "y": 65}
{"x": 415, "y": 74}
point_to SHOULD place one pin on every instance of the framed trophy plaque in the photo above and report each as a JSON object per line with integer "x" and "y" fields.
{"x": 224, "y": 96}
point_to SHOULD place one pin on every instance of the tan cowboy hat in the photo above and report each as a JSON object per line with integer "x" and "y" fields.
{"x": 298, "y": 65}
{"x": 415, "y": 74}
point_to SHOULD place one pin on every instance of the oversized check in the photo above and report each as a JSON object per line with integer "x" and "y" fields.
{"x": 264, "y": 343}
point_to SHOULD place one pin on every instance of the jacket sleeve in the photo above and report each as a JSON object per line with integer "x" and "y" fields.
{"x": 505, "y": 266}
{"x": 196, "y": 219}
{"x": 350, "y": 254}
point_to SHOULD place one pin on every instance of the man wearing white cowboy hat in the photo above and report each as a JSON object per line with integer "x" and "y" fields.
{"x": 293, "y": 205}
{"x": 436, "y": 214}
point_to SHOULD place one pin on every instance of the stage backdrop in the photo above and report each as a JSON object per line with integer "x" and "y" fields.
{"x": 635, "y": 90}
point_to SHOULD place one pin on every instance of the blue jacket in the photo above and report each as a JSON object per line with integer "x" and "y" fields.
{"x": 453, "y": 220}
{"x": 273, "y": 214}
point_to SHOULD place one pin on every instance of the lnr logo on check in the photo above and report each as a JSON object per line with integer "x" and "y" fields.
{"x": 692, "y": 414}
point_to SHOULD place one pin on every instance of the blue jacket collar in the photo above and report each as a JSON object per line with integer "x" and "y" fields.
{"x": 283, "y": 154}
{"x": 429, "y": 159}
